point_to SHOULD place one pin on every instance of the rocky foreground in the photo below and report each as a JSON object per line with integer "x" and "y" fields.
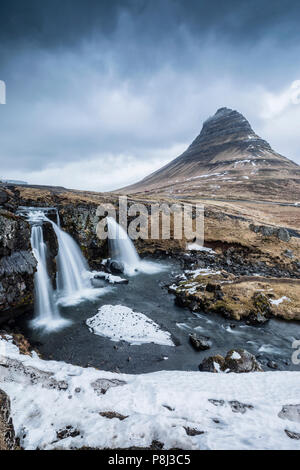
{"x": 58, "y": 406}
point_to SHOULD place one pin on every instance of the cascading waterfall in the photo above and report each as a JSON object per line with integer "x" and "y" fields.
{"x": 73, "y": 277}
{"x": 72, "y": 267}
{"x": 47, "y": 313}
{"x": 121, "y": 247}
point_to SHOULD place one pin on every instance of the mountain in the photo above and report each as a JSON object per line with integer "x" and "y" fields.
{"x": 227, "y": 159}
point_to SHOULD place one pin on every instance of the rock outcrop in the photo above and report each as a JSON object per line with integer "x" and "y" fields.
{"x": 80, "y": 221}
{"x": 17, "y": 266}
{"x": 7, "y": 433}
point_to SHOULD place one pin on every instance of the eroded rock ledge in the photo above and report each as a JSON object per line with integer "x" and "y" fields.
{"x": 17, "y": 266}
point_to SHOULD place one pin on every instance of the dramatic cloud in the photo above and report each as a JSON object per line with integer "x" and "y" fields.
{"x": 101, "y": 93}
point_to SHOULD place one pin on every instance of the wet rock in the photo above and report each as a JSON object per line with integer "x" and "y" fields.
{"x": 268, "y": 231}
{"x": 240, "y": 360}
{"x": 156, "y": 445}
{"x": 7, "y": 433}
{"x": 290, "y": 412}
{"x": 216, "y": 402}
{"x": 17, "y": 266}
{"x": 200, "y": 343}
{"x": 213, "y": 364}
{"x": 115, "y": 266}
{"x": 3, "y": 197}
{"x": 272, "y": 365}
{"x": 237, "y": 361}
{"x": 51, "y": 242}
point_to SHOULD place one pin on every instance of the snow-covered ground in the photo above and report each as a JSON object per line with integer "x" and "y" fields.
{"x": 47, "y": 397}
{"x": 118, "y": 322}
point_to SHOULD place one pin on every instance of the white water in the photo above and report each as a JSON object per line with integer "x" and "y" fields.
{"x": 47, "y": 314}
{"x": 73, "y": 276}
{"x": 70, "y": 263}
{"x": 122, "y": 249}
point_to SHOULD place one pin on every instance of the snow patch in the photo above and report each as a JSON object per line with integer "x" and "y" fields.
{"x": 120, "y": 323}
{"x": 40, "y": 411}
{"x": 279, "y": 301}
{"x": 196, "y": 247}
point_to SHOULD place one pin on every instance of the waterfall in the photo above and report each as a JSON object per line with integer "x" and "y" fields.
{"x": 72, "y": 267}
{"x": 47, "y": 314}
{"x": 121, "y": 247}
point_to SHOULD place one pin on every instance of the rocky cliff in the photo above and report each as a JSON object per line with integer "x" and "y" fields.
{"x": 17, "y": 266}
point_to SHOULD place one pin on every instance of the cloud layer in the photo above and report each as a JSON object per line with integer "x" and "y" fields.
{"x": 99, "y": 94}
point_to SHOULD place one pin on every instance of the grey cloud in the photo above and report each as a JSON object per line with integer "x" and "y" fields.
{"x": 137, "y": 78}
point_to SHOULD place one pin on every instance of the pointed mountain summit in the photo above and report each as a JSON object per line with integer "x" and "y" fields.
{"x": 227, "y": 159}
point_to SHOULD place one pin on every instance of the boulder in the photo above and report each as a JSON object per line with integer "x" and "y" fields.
{"x": 240, "y": 360}
{"x": 115, "y": 266}
{"x": 200, "y": 343}
{"x": 237, "y": 361}
{"x": 267, "y": 231}
{"x": 283, "y": 234}
{"x": 212, "y": 364}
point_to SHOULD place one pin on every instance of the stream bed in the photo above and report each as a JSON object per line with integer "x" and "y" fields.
{"x": 145, "y": 294}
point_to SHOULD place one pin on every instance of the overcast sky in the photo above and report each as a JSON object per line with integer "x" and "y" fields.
{"x": 101, "y": 93}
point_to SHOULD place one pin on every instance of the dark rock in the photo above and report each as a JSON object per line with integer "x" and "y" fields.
{"x": 115, "y": 266}
{"x": 3, "y": 197}
{"x": 112, "y": 414}
{"x": 235, "y": 361}
{"x": 51, "y": 242}
{"x": 292, "y": 435}
{"x": 238, "y": 407}
{"x": 240, "y": 360}
{"x": 7, "y": 433}
{"x": 17, "y": 266}
{"x": 212, "y": 364}
{"x": 66, "y": 432}
{"x": 200, "y": 343}
{"x": 192, "y": 431}
{"x": 283, "y": 234}
{"x": 272, "y": 365}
